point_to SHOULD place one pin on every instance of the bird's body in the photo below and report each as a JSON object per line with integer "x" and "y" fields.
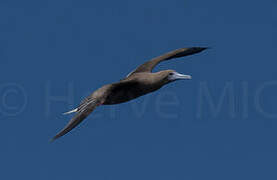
{"x": 132, "y": 87}
{"x": 139, "y": 82}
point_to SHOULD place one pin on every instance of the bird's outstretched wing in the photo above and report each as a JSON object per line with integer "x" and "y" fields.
{"x": 84, "y": 109}
{"x": 149, "y": 65}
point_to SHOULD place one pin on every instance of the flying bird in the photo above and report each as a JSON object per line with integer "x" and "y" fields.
{"x": 139, "y": 82}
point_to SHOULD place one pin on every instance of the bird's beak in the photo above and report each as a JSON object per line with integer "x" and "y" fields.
{"x": 178, "y": 76}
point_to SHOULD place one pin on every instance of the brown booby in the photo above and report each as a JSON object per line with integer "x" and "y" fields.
{"x": 139, "y": 82}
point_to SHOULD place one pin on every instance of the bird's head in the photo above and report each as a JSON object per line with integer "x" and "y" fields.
{"x": 168, "y": 76}
{"x": 173, "y": 76}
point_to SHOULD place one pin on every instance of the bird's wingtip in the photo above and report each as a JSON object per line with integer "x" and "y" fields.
{"x": 204, "y": 48}
{"x": 51, "y": 140}
{"x": 193, "y": 50}
{"x": 198, "y": 49}
{"x": 54, "y": 138}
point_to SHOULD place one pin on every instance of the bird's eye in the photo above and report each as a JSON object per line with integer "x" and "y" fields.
{"x": 171, "y": 73}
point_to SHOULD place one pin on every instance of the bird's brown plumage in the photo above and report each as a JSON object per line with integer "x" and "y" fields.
{"x": 139, "y": 82}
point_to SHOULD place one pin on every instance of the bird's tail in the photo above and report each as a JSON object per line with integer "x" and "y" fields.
{"x": 72, "y": 111}
{"x": 81, "y": 114}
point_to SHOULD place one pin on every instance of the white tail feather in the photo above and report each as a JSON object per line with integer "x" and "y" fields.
{"x": 72, "y": 111}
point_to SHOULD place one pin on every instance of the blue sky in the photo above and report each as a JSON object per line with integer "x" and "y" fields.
{"x": 219, "y": 125}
